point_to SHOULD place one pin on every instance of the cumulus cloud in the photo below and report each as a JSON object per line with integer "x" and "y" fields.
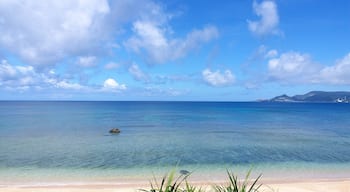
{"x": 339, "y": 73}
{"x": 47, "y": 31}
{"x": 294, "y": 67}
{"x": 87, "y": 61}
{"x": 217, "y": 79}
{"x": 112, "y": 85}
{"x": 67, "y": 85}
{"x": 25, "y": 77}
{"x": 151, "y": 38}
{"x": 17, "y": 76}
{"x": 269, "y": 19}
{"x": 138, "y": 74}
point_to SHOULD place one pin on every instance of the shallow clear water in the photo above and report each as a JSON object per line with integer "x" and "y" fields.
{"x": 71, "y": 138}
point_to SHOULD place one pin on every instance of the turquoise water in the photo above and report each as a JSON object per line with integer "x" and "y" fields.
{"x": 44, "y": 140}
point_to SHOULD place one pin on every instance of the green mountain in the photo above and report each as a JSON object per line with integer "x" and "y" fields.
{"x": 316, "y": 96}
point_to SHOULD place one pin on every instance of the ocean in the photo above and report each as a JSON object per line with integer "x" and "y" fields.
{"x": 49, "y": 141}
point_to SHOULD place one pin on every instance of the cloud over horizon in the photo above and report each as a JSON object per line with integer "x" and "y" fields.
{"x": 149, "y": 48}
{"x": 294, "y": 67}
{"x": 218, "y": 78}
{"x": 112, "y": 85}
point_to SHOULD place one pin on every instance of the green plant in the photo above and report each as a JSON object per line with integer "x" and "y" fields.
{"x": 170, "y": 184}
{"x": 236, "y": 186}
{"x": 191, "y": 188}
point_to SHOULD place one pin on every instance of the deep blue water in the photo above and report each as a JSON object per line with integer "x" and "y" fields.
{"x": 74, "y": 135}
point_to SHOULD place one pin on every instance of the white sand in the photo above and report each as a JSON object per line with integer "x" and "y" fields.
{"x": 287, "y": 186}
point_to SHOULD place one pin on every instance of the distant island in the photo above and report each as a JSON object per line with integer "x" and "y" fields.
{"x": 315, "y": 96}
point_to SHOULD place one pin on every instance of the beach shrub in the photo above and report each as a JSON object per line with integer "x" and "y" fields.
{"x": 235, "y": 185}
{"x": 169, "y": 184}
{"x": 192, "y": 188}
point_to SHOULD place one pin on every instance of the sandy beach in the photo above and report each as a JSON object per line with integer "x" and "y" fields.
{"x": 311, "y": 186}
{"x": 273, "y": 186}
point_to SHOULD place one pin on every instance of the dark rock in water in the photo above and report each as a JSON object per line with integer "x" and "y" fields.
{"x": 184, "y": 172}
{"x": 114, "y": 131}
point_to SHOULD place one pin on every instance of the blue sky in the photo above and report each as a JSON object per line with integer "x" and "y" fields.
{"x": 172, "y": 50}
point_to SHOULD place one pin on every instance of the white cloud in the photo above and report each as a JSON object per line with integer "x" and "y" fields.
{"x": 87, "y": 61}
{"x": 66, "y": 85}
{"x": 22, "y": 78}
{"x": 112, "y": 65}
{"x": 50, "y": 80}
{"x": 339, "y": 73}
{"x": 293, "y": 67}
{"x": 25, "y": 77}
{"x": 16, "y": 75}
{"x": 271, "y": 53}
{"x": 43, "y": 32}
{"x": 7, "y": 71}
{"x": 268, "y": 23}
{"x": 65, "y": 29}
{"x": 112, "y": 85}
{"x": 150, "y": 37}
{"x": 217, "y": 79}
{"x": 138, "y": 74}
{"x": 133, "y": 10}
{"x": 263, "y": 51}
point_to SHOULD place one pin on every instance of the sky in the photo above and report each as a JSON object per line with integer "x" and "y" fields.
{"x": 174, "y": 50}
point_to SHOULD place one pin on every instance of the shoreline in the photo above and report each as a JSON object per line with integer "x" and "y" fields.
{"x": 269, "y": 174}
{"x": 85, "y": 179}
{"x": 296, "y": 178}
{"x": 309, "y": 185}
